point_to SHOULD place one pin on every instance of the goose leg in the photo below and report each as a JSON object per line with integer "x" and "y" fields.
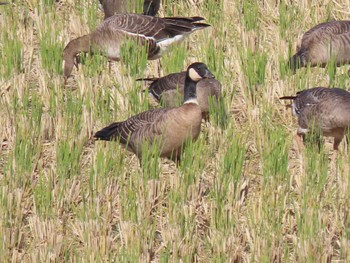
{"x": 337, "y": 141}
{"x": 300, "y": 139}
{"x": 77, "y": 62}
{"x": 109, "y": 66}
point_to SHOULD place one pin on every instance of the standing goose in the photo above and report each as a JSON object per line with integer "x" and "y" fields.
{"x": 325, "y": 109}
{"x": 169, "y": 127}
{"x": 170, "y": 89}
{"x": 112, "y": 7}
{"x": 322, "y": 44}
{"x": 156, "y": 34}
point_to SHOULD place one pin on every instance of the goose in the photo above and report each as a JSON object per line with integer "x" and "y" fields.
{"x": 156, "y": 34}
{"x": 323, "y": 43}
{"x": 168, "y": 127}
{"x": 112, "y": 7}
{"x": 170, "y": 89}
{"x": 322, "y": 109}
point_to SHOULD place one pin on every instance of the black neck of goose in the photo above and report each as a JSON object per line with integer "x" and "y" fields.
{"x": 190, "y": 90}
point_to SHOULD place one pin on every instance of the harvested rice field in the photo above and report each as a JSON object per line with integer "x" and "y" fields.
{"x": 243, "y": 192}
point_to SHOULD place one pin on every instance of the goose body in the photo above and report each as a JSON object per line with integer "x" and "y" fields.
{"x": 112, "y": 7}
{"x": 323, "y": 109}
{"x": 170, "y": 90}
{"x": 323, "y": 43}
{"x": 169, "y": 128}
{"x": 156, "y": 34}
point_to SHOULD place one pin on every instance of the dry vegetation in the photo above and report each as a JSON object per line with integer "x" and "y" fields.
{"x": 242, "y": 194}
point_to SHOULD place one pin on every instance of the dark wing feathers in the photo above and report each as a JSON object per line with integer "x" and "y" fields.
{"x": 122, "y": 131}
{"x": 152, "y": 27}
{"x": 319, "y": 94}
{"x": 169, "y": 82}
{"x": 287, "y": 98}
{"x": 332, "y": 27}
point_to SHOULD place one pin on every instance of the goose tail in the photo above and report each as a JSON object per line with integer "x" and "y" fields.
{"x": 287, "y": 98}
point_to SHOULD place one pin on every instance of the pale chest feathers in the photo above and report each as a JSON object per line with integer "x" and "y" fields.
{"x": 188, "y": 120}
{"x": 112, "y": 50}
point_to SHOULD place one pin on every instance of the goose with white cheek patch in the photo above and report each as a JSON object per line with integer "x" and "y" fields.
{"x": 170, "y": 90}
{"x": 156, "y": 34}
{"x": 322, "y": 109}
{"x": 170, "y": 128}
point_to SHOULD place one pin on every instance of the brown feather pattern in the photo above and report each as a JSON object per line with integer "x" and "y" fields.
{"x": 152, "y": 32}
{"x": 322, "y": 43}
{"x": 325, "y": 109}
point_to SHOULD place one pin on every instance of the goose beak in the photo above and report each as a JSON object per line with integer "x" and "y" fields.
{"x": 209, "y": 75}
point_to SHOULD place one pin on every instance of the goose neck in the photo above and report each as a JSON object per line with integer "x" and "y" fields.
{"x": 190, "y": 95}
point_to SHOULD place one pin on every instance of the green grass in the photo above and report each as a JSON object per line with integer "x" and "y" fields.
{"x": 243, "y": 192}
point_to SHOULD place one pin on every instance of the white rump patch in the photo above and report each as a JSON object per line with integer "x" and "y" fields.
{"x": 194, "y": 75}
{"x": 302, "y": 131}
{"x": 193, "y": 100}
{"x": 169, "y": 41}
{"x": 294, "y": 109}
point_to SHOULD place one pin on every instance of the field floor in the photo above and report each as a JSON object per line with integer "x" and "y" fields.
{"x": 244, "y": 192}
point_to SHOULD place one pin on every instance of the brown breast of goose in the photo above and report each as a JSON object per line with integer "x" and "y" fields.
{"x": 323, "y": 109}
{"x": 170, "y": 131}
{"x": 156, "y": 34}
{"x": 324, "y": 43}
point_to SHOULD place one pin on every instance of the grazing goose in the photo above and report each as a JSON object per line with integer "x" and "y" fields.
{"x": 112, "y": 7}
{"x": 167, "y": 89}
{"x": 156, "y": 34}
{"x": 324, "y": 43}
{"x": 168, "y": 127}
{"x": 324, "y": 109}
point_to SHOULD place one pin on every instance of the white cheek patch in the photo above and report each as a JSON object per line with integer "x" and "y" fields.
{"x": 194, "y": 75}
